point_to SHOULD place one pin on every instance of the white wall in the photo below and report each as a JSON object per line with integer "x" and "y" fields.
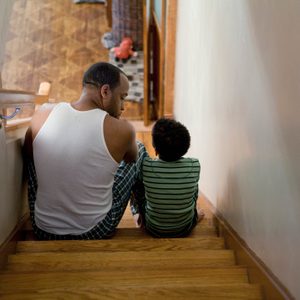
{"x": 5, "y": 11}
{"x": 12, "y": 192}
{"x": 238, "y": 91}
{"x": 11, "y": 187}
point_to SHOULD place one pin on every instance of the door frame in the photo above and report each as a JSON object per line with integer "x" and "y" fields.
{"x": 165, "y": 27}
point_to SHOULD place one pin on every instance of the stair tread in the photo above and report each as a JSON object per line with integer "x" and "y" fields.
{"x": 130, "y": 259}
{"x": 127, "y": 221}
{"x": 121, "y": 245}
{"x": 85, "y": 280}
{"x": 192, "y": 292}
{"x": 133, "y": 233}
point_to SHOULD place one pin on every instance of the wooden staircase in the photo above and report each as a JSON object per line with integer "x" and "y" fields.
{"x": 131, "y": 265}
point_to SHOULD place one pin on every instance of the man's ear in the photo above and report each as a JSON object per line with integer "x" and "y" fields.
{"x": 105, "y": 91}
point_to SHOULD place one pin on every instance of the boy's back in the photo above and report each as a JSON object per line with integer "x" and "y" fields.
{"x": 171, "y": 191}
{"x": 169, "y": 208}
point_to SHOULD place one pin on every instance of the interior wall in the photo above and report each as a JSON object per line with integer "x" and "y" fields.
{"x": 12, "y": 187}
{"x": 237, "y": 89}
{"x": 10, "y": 152}
{"x": 5, "y": 11}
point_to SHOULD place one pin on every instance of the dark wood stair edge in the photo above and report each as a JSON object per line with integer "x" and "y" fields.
{"x": 10, "y": 244}
{"x": 258, "y": 272}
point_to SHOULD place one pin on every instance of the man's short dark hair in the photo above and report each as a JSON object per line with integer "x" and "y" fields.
{"x": 171, "y": 139}
{"x": 102, "y": 73}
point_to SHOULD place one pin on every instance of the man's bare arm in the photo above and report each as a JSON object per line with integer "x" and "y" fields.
{"x": 120, "y": 139}
{"x": 132, "y": 153}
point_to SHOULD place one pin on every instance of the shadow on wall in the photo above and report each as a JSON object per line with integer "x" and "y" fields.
{"x": 279, "y": 54}
{"x": 248, "y": 211}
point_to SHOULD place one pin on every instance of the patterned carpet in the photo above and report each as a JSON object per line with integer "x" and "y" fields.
{"x": 134, "y": 69}
{"x": 53, "y": 40}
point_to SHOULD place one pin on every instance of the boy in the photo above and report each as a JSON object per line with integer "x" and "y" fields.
{"x": 171, "y": 183}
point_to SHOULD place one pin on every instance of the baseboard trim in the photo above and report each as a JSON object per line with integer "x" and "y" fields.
{"x": 258, "y": 272}
{"x": 9, "y": 245}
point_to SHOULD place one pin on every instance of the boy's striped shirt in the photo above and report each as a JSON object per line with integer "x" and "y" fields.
{"x": 171, "y": 190}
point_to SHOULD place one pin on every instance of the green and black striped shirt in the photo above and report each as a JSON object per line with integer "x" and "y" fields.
{"x": 171, "y": 191}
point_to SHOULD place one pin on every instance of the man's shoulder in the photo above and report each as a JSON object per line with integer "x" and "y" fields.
{"x": 40, "y": 116}
{"x": 119, "y": 126}
{"x": 120, "y": 138}
{"x": 43, "y": 111}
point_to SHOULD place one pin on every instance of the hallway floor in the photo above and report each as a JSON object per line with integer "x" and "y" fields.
{"x": 55, "y": 41}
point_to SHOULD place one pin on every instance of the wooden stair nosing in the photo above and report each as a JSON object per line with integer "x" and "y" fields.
{"x": 120, "y": 245}
{"x": 127, "y": 255}
{"x": 108, "y": 265}
{"x": 212, "y": 292}
{"x": 133, "y": 233}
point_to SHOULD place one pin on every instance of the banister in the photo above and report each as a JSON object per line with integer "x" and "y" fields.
{"x": 12, "y": 98}
{"x": 4, "y": 117}
{"x": 22, "y": 99}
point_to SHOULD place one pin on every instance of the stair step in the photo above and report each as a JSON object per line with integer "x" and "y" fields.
{"x": 59, "y": 261}
{"x": 29, "y": 282}
{"x": 128, "y": 221}
{"x": 121, "y": 245}
{"x": 130, "y": 233}
{"x": 193, "y": 292}
{"x": 136, "y": 233}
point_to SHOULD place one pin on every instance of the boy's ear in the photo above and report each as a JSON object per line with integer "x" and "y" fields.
{"x": 105, "y": 91}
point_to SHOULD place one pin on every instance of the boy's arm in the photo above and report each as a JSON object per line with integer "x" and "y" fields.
{"x": 137, "y": 201}
{"x": 196, "y": 192}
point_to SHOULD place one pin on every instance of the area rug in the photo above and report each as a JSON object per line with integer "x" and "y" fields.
{"x": 134, "y": 69}
{"x": 88, "y": 1}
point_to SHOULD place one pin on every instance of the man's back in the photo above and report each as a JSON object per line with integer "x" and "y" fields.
{"x": 75, "y": 171}
{"x": 77, "y": 148}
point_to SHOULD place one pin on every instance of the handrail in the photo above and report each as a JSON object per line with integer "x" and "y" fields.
{"x": 11, "y": 98}
{"x": 4, "y": 117}
{"x": 21, "y": 99}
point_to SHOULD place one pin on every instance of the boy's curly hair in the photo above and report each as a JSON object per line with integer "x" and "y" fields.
{"x": 171, "y": 139}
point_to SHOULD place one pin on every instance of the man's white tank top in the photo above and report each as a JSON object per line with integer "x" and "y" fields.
{"x": 75, "y": 171}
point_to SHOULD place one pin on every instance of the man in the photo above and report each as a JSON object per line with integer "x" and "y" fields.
{"x": 83, "y": 161}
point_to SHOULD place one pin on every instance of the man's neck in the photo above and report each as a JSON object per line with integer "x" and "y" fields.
{"x": 87, "y": 101}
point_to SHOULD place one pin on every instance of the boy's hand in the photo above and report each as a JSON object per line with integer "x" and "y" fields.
{"x": 138, "y": 220}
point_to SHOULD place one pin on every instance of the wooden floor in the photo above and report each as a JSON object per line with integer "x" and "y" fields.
{"x": 56, "y": 41}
